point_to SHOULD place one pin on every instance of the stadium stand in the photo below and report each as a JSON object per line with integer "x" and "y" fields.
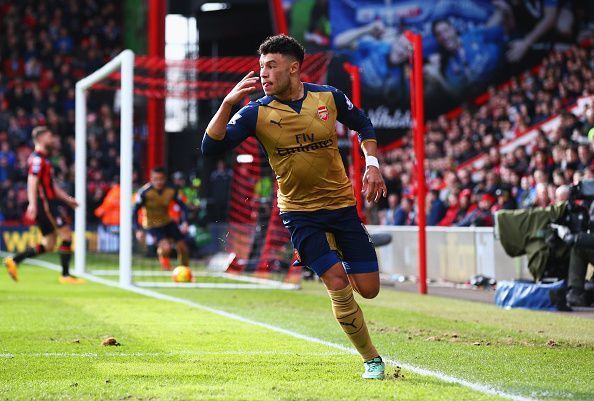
{"x": 50, "y": 51}
{"x": 524, "y": 177}
{"x": 45, "y": 47}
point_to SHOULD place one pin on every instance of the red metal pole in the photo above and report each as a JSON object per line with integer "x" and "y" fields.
{"x": 421, "y": 163}
{"x": 280, "y": 20}
{"x": 418, "y": 113}
{"x": 353, "y": 71}
{"x": 156, "y": 107}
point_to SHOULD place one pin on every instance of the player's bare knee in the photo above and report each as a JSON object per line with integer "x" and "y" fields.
{"x": 369, "y": 293}
{"x": 49, "y": 244}
{"x": 336, "y": 282}
{"x": 164, "y": 247}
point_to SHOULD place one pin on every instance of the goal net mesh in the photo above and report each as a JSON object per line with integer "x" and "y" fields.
{"x": 251, "y": 249}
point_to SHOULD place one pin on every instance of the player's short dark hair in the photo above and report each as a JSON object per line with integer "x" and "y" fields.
{"x": 38, "y": 131}
{"x": 158, "y": 170}
{"x": 283, "y": 44}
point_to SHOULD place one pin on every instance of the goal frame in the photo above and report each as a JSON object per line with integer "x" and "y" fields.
{"x": 123, "y": 69}
{"x": 124, "y": 62}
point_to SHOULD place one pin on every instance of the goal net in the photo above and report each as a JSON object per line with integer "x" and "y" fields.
{"x": 250, "y": 250}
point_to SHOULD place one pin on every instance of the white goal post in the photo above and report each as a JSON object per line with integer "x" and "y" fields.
{"x": 125, "y": 63}
{"x": 128, "y": 272}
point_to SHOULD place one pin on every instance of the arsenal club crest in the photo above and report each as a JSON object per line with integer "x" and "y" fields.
{"x": 323, "y": 113}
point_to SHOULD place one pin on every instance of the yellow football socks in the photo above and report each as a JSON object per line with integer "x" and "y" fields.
{"x": 349, "y": 315}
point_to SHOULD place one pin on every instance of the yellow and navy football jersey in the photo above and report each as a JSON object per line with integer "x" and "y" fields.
{"x": 300, "y": 140}
{"x": 154, "y": 205}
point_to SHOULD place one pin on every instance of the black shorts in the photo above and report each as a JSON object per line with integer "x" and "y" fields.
{"x": 50, "y": 216}
{"x": 326, "y": 237}
{"x": 168, "y": 231}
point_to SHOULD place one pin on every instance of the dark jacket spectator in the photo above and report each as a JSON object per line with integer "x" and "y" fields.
{"x": 437, "y": 208}
{"x": 45, "y": 47}
{"x": 481, "y": 216}
{"x": 390, "y": 213}
{"x": 405, "y": 214}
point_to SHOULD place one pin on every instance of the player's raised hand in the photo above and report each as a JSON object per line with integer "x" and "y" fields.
{"x": 241, "y": 90}
{"x": 373, "y": 184}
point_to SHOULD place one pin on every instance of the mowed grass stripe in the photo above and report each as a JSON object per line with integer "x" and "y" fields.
{"x": 510, "y": 350}
{"x": 440, "y": 334}
{"x": 441, "y": 376}
{"x": 39, "y": 316}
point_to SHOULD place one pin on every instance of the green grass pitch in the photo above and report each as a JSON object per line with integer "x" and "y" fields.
{"x": 50, "y": 348}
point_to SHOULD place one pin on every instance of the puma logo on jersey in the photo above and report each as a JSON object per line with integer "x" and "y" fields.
{"x": 352, "y": 324}
{"x": 234, "y": 119}
{"x": 276, "y": 122}
{"x": 348, "y": 102}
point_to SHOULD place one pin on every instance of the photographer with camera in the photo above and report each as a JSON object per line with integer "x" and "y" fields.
{"x": 576, "y": 279}
{"x": 577, "y": 231}
{"x": 558, "y": 241}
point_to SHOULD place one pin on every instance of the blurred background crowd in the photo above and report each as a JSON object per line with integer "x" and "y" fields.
{"x": 45, "y": 47}
{"x": 526, "y": 175}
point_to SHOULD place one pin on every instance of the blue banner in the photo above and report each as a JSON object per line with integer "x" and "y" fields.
{"x": 467, "y": 46}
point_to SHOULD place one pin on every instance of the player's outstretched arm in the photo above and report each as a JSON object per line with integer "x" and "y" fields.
{"x": 223, "y": 135}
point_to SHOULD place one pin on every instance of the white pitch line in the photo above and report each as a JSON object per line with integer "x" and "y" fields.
{"x": 227, "y": 286}
{"x": 157, "y": 354}
{"x": 478, "y": 387}
{"x": 151, "y": 273}
{"x": 245, "y": 282}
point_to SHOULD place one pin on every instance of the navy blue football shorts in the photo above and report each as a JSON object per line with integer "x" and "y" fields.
{"x": 168, "y": 231}
{"x": 326, "y": 237}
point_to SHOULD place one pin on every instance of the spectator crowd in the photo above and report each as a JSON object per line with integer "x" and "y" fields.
{"x": 527, "y": 176}
{"x": 46, "y": 46}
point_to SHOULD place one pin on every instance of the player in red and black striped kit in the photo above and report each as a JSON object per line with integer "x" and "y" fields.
{"x": 45, "y": 201}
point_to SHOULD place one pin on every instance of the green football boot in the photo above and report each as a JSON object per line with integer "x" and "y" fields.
{"x": 374, "y": 368}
